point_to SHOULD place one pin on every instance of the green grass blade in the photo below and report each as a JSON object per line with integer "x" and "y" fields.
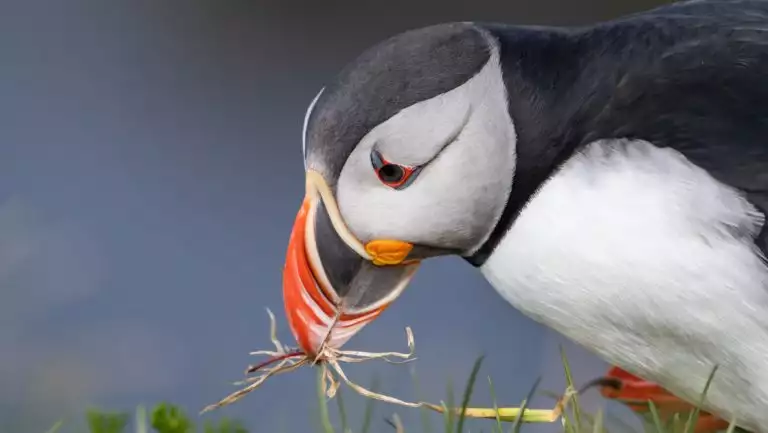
{"x": 499, "y": 428}
{"x": 657, "y": 424}
{"x": 446, "y": 418}
{"x": 141, "y": 419}
{"x": 574, "y": 401}
{"x": 450, "y": 413}
{"x": 342, "y": 411}
{"x": 568, "y": 425}
{"x": 468, "y": 392}
{"x": 518, "y": 424}
{"x": 676, "y": 423}
{"x": 325, "y": 420}
{"x": 694, "y": 416}
{"x": 597, "y": 423}
{"x": 369, "y": 407}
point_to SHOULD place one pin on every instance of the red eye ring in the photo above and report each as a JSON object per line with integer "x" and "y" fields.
{"x": 390, "y": 174}
{"x": 394, "y": 175}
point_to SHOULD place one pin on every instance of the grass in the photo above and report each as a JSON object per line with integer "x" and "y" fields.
{"x": 168, "y": 418}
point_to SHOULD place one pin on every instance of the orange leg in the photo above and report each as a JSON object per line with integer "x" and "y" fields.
{"x": 635, "y": 393}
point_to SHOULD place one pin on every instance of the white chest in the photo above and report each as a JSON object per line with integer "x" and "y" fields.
{"x": 642, "y": 257}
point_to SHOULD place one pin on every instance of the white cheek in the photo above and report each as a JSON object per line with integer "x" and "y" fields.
{"x": 457, "y": 198}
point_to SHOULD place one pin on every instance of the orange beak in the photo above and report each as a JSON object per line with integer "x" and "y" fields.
{"x": 330, "y": 290}
{"x": 635, "y": 393}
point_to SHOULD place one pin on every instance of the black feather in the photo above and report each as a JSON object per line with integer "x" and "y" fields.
{"x": 691, "y": 76}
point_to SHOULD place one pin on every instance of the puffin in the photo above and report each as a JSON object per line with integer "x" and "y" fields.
{"x": 609, "y": 181}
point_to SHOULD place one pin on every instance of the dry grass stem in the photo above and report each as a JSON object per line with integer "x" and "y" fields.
{"x": 284, "y": 359}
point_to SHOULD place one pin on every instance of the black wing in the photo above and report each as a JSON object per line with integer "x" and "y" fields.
{"x": 705, "y": 95}
{"x": 691, "y": 75}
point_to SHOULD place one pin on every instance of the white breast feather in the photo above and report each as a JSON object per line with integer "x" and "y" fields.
{"x": 643, "y": 257}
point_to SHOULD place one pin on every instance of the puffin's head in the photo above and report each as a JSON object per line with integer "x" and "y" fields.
{"x": 409, "y": 154}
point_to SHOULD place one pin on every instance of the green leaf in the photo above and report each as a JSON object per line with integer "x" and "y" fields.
{"x": 167, "y": 418}
{"x": 106, "y": 422}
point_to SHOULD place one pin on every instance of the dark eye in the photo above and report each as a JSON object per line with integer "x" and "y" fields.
{"x": 392, "y": 175}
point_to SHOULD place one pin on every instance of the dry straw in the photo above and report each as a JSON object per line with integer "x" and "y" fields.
{"x": 284, "y": 359}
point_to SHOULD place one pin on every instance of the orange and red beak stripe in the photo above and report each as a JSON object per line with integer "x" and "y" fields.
{"x": 310, "y": 306}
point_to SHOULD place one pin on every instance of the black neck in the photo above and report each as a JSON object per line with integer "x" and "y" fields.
{"x": 637, "y": 77}
{"x": 550, "y": 83}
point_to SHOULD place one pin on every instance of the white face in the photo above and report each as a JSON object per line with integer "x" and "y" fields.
{"x": 464, "y": 141}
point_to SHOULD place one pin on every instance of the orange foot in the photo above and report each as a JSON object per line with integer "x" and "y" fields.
{"x": 635, "y": 392}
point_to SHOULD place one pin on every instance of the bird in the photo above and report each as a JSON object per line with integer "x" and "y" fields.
{"x": 608, "y": 180}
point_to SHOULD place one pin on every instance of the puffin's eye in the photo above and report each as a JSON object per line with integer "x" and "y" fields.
{"x": 392, "y": 175}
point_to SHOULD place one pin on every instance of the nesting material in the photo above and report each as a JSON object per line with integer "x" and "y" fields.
{"x": 284, "y": 359}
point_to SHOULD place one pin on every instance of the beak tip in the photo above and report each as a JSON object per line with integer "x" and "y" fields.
{"x": 294, "y": 272}
{"x": 315, "y": 311}
{"x": 311, "y": 315}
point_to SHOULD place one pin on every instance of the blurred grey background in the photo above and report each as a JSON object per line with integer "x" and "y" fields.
{"x": 150, "y": 171}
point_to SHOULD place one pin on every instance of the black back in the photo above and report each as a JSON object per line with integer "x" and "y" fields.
{"x": 692, "y": 76}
